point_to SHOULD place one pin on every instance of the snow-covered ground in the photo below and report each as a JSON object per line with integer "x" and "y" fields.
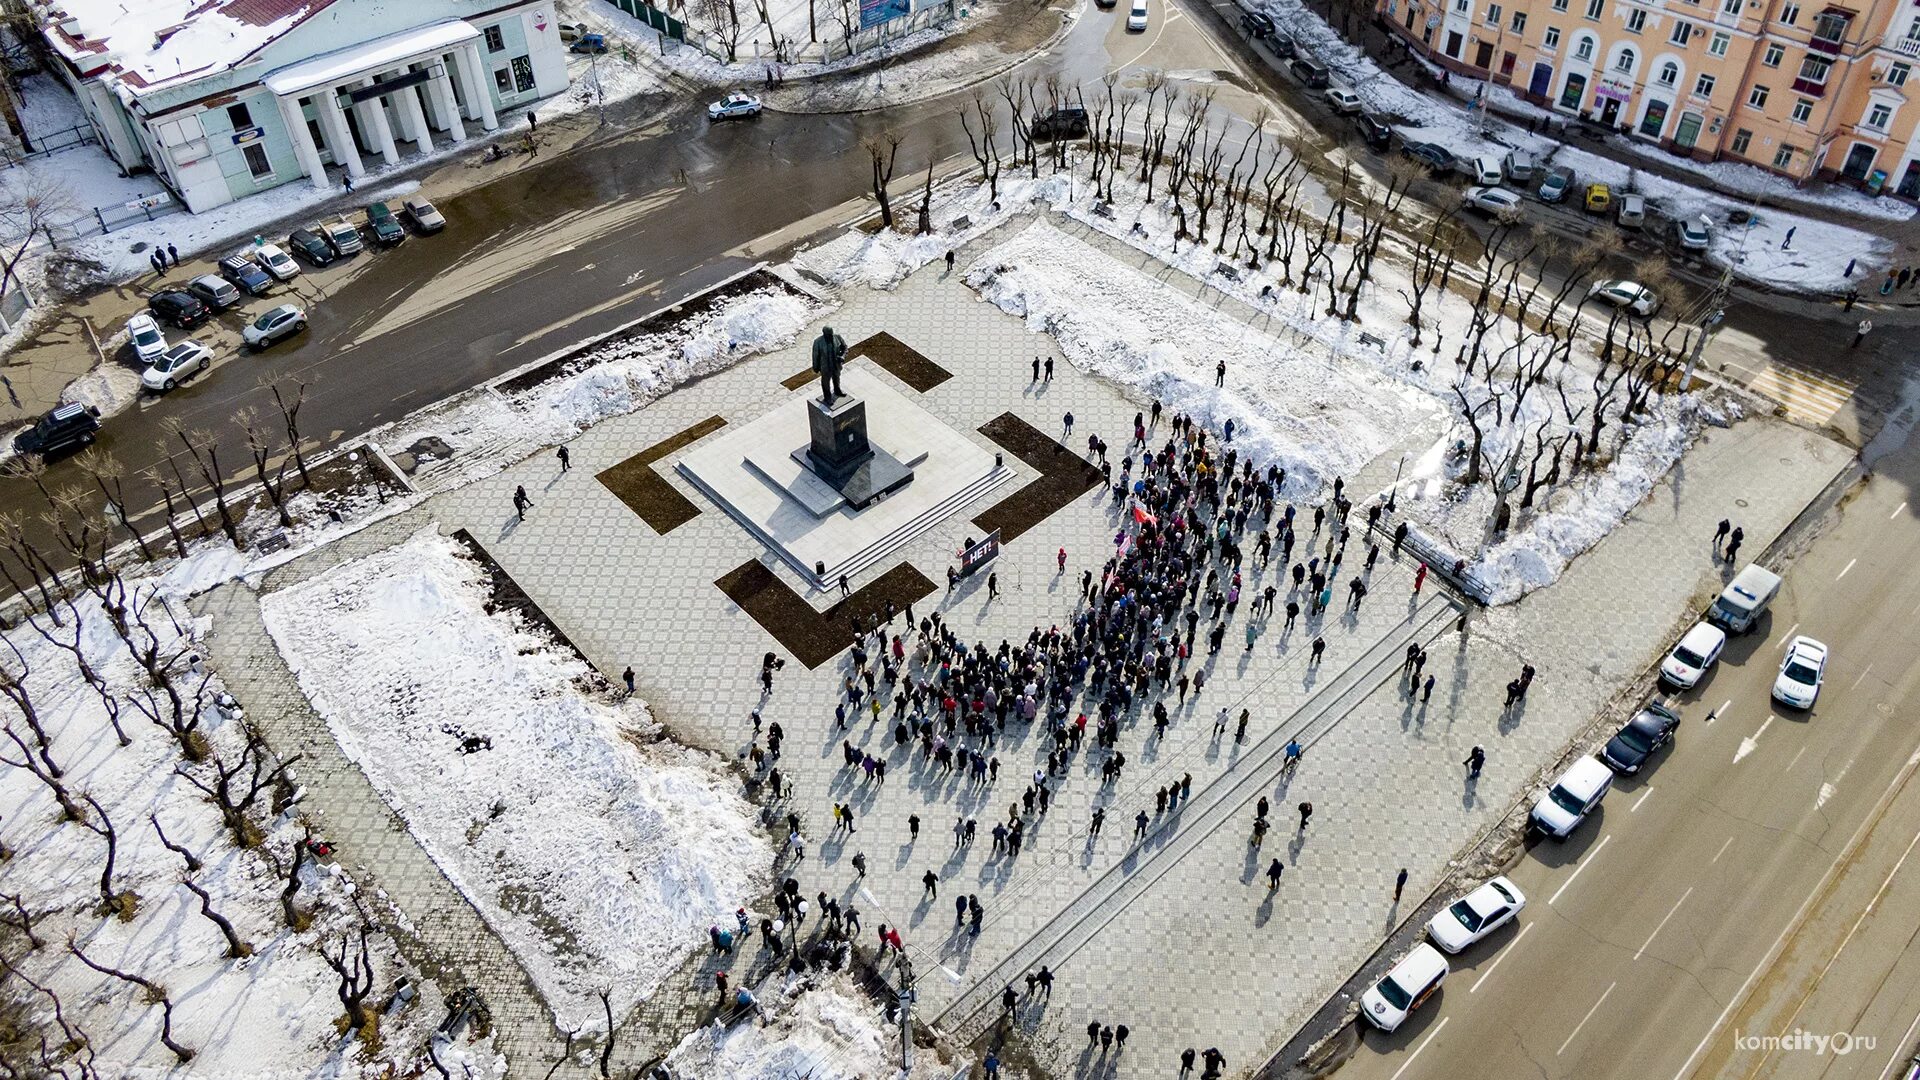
{"x": 398, "y": 652}
{"x": 805, "y": 1029}
{"x": 270, "y": 1013}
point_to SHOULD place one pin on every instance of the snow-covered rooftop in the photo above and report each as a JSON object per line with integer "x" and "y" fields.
{"x": 381, "y": 52}
{"x": 152, "y": 42}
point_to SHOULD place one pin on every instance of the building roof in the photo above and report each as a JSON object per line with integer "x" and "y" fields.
{"x": 149, "y": 43}
{"x": 381, "y": 52}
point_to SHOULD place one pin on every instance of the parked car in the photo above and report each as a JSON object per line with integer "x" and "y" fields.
{"x": 276, "y": 262}
{"x": 1483, "y": 169}
{"x": 1745, "y": 599}
{"x": 1067, "y": 123}
{"x": 1311, "y": 71}
{"x": 1492, "y": 200}
{"x": 1387, "y": 1003}
{"x": 383, "y": 225}
{"x": 1631, "y": 295}
{"x": 216, "y": 292}
{"x": 143, "y": 333}
{"x": 1571, "y": 798}
{"x": 1283, "y": 46}
{"x": 1557, "y": 185}
{"x": 571, "y": 32}
{"x": 1694, "y": 233}
{"x": 343, "y": 238}
{"x": 1521, "y": 167}
{"x": 1599, "y": 198}
{"x": 246, "y": 275}
{"x": 421, "y": 215}
{"x": 1435, "y": 157}
{"x": 307, "y": 244}
{"x": 66, "y": 427}
{"x": 1801, "y": 672}
{"x": 177, "y": 365}
{"x": 1477, "y": 914}
{"x": 1106, "y": 4}
{"x": 1344, "y": 101}
{"x": 1137, "y": 17}
{"x": 1687, "y": 664}
{"x": 1650, "y": 729}
{"x": 178, "y": 309}
{"x": 589, "y": 44}
{"x": 1630, "y": 211}
{"x": 283, "y": 321}
{"x": 738, "y": 105}
{"x": 1374, "y": 131}
{"x": 1257, "y": 24}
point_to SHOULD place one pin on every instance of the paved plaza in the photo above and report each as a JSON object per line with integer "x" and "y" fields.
{"x": 1175, "y": 935}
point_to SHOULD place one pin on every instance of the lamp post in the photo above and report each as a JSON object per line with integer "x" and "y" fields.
{"x": 1393, "y": 493}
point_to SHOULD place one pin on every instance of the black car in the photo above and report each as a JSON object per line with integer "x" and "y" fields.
{"x": 1374, "y": 131}
{"x": 1649, "y": 730}
{"x": 1282, "y": 46}
{"x": 1068, "y": 123}
{"x": 246, "y": 275}
{"x": 67, "y": 427}
{"x": 1256, "y": 24}
{"x": 383, "y": 225}
{"x": 306, "y": 244}
{"x": 178, "y": 308}
{"x": 1435, "y": 157}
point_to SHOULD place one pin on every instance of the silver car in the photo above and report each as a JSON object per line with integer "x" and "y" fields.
{"x": 280, "y": 322}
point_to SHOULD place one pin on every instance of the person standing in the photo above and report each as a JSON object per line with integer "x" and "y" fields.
{"x": 173, "y": 253}
{"x": 1476, "y": 760}
{"x": 1066, "y": 424}
{"x": 1860, "y": 333}
{"x": 932, "y": 882}
{"x": 1399, "y": 884}
{"x": 949, "y": 260}
{"x": 913, "y": 827}
{"x": 1720, "y": 534}
{"x": 1733, "y": 543}
{"x": 627, "y": 677}
{"x": 1426, "y": 690}
{"x": 566, "y": 459}
{"x": 993, "y": 585}
{"x": 1036, "y": 370}
{"x": 1220, "y": 373}
{"x": 1274, "y": 870}
{"x": 1047, "y": 369}
{"x": 1319, "y": 647}
{"x": 1306, "y": 812}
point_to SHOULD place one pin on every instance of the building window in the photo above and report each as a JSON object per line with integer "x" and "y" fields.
{"x": 1814, "y": 69}
{"x": 1595, "y": 7}
{"x": 1741, "y": 140}
{"x": 1757, "y": 97}
{"x": 495, "y": 42}
{"x": 240, "y": 117}
{"x": 1830, "y": 26}
{"x": 1669, "y": 73}
{"x": 257, "y": 163}
{"x": 1897, "y": 74}
{"x": 1551, "y": 40}
{"x": 1717, "y": 45}
{"x": 1559, "y": 5}
{"x": 1731, "y": 7}
{"x": 502, "y": 81}
{"x": 1583, "y": 50}
{"x": 1783, "y": 157}
{"x": 1802, "y": 111}
{"x": 1493, "y": 14}
{"x": 1682, "y": 33}
{"x": 1636, "y": 20}
{"x": 1879, "y": 117}
{"x": 1774, "y": 54}
{"x": 522, "y": 74}
{"x": 1624, "y": 62}
{"x": 1519, "y": 21}
{"x": 1462, "y": 6}
{"x": 1790, "y": 14}
{"x": 1703, "y": 86}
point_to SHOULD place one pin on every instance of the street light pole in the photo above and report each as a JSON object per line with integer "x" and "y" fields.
{"x": 1707, "y": 324}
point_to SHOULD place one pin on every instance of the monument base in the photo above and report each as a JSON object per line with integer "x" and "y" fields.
{"x": 875, "y": 474}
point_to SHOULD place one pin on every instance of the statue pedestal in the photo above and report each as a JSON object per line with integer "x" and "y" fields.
{"x": 839, "y": 453}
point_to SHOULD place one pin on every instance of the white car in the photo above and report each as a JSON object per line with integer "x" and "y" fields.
{"x": 1798, "y": 683}
{"x": 1694, "y": 233}
{"x": 285, "y": 320}
{"x": 276, "y": 262}
{"x": 1137, "y": 16}
{"x": 1387, "y": 1003}
{"x": 1631, "y": 295}
{"x": 1476, "y": 915}
{"x": 1493, "y": 200}
{"x": 177, "y": 365}
{"x": 735, "y": 106}
{"x": 1688, "y": 662}
{"x": 144, "y": 334}
{"x": 1571, "y": 798}
{"x": 1344, "y": 101}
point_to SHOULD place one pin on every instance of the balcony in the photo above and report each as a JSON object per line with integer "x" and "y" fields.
{"x": 1809, "y": 88}
{"x": 1907, "y": 46}
{"x": 1829, "y": 46}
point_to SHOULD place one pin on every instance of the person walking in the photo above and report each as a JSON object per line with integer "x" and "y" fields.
{"x": 1419, "y": 578}
{"x": 1860, "y": 333}
{"x": 1046, "y": 370}
{"x": 949, "y": 260}
{"x": 1720, "y": 534}
{"x": 1119, "y": 1037}
{"x": 1787, "y": 243}
{"x": 1319, "y": 647}
{"x": 1140, "y": 821}
{"x": 533, "y": 121}
{"x": 1186, "y": 1061}
{"x": 932, "y": 882}
{"x": 520, "y": 502}
{"x": 1399, "y": 884}
{"x": 1476, "y": 759}
{"x": 913, "y": 827}
{"x": 860, "y": 864}
{"x": 1306, "y": 812}
{"x": 627, "y": 677}
{"x": 1426, "y": 690}
{"x": 993, "y": 586}
{"x": 1240, "y": 731}
{"x": 566, "y": 459}
{"x": 1036, "y": 371}
{"x": 1099, "y": 819}
{"x": 1093, "y": 1034}
{"x": 1733, "y": 543}
{"x": 173, "y": 253}
{"x": 1066, "y": 424}
{"x": 1274, "y": 870}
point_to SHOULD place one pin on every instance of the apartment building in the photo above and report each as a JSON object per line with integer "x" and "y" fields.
{"x": 1801, "y": 87}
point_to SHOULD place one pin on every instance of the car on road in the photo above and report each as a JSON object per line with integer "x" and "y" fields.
{"x": 246, "y": 275}
{"x": 216, "y": 292}
{"x": 1599, "y": 198}
{"x": 178, "y": 309}
{"x": 1311, "y": 72}
{"x": 1571, "y": 798}
{"x": 1257, "y": 24}
{"x": 1067, "y": 123}
{"x": 1374, "y": 131}
{"x": 307, "y": 244}
{"x": 1477, "y": 914}
{"x": 175, "y": 366}
{"x": 1137, "y": 17}
{"x": 1801, "y": 672}
{"x": 1283, "y": 46}
{"x": 1435, "y": 157}
{"x": 589, "y": 44}
{"x": 1344, "y": 101}
{"x": 66, "y": 427}
{"x": 1106, "y": 5}
{"x": 1492, "y": 200}
{"x": 383, "y": 225}
{"x": 1521, "y": 167}
{"x": 283, "y": 321}
{"x": 1687, "y": 664}
{"x": 1630, "y": 211}
{"x": 1557, "y": 185}
{"x": 571, "y": 32}
{"x": 1650, "y": 729}
{"x": 1694, "y": 233}
{"x": 1387, "y": 1003}
{"x": 422, "y": 215}
{"x": 143, "y": 333}
{"x": 1745, "y": 599}
{"x": 1631, "y": 295}
{"x": 342, "y": 237}
{"x": 276, "y": 262}
{"x": 735, "y": 106}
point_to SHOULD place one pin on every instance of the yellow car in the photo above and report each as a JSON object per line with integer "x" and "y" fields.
{"x": 1599, "y": 197}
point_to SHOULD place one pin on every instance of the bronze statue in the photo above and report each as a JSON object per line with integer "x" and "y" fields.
{"x": 829, "y": 352}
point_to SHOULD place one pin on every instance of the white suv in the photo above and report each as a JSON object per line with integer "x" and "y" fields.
{"x": 1493, "y": 200}
{"x": 1572, "y": 797}
{"x": 1387, "y": 1003}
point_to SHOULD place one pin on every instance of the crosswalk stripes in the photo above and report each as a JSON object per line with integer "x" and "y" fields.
{"x": 1806, "y": 396}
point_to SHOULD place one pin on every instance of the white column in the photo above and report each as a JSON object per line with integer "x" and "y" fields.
{"x": 373, "y": 120}
{"x": 414, "y": 119}
{"x": 303, "y": 148}
{"x": 339, "y": 138}
{"x": 449, "y": 111}
{"x": 479, "y": 94}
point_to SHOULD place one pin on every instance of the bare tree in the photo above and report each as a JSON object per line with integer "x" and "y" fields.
{"x": 69, "y": 810}
{"x": 236, "y": 948}
{"x": 881, "y": 152}
{"x": 290, "y": 416}
{"x": 192, "y": 860}
{"x": 20, "y": 919}
{"x": 985, "y": 147}
{"x": 29, "y": 205}
{"x": 152, "y": 476}
{"x": 606, "y": 1052}
{"x": 925, "y": 224}
{"x": 355, "y": 970}
{"x": 206, "y": 458}
{"x": 155, "y": 994}
{"x": 123, "y": 904}
{"x": 291, "y": 913}
{"x": 262, "y": 452}
{"x": 74, "y": 1039}
{"x": 235, "y": 788}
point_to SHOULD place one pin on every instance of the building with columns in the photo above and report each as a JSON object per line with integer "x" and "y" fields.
{"x": 1802, "y": 88}
{"x": 225, "y": 98}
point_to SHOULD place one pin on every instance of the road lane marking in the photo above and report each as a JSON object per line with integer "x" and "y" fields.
{"x": 1900, "y": 1049}
{"x": 1722, "y": 851}
{"x": 1890, "y": 517}
{"x": 1670, "y": 914}
{"x": 1787, "y": 638}
{"x": 1849, "y": 566}
{"x": 1795, "y": 761}
{"x": 1861, "y": 679}
{"x": 1407, "y": 1064}
{"x": 1826, "y": 792}
{"x": 1584, "y": 1019}
{"x": 1503, "y": 955}
{"x": 1748, "y": 744}
{"x": 1584, "y": 863}
{"x": 1641, "y": 799}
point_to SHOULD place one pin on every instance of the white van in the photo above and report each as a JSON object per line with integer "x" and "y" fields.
{"x": 1572, "y": 797}
{"x": 1485, "y": 170}
{"x": 1137, "y": 18}
{"x": 1387, "y": 1003}
{"x": 1745, "y": 599}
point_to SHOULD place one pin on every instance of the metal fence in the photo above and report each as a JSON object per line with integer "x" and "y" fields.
{"x": 758, "y": 51}
{"x": 50, "y": 143}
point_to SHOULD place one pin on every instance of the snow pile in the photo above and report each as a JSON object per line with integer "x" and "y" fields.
{"x": 1318, "y": 417}
{"x": 598, "y": 854}
{"x": 962, "y": 210}
{"x": 829, "y": 1031}
{"x": 109, "y": 386}
{"x": 277, "y": 1005}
